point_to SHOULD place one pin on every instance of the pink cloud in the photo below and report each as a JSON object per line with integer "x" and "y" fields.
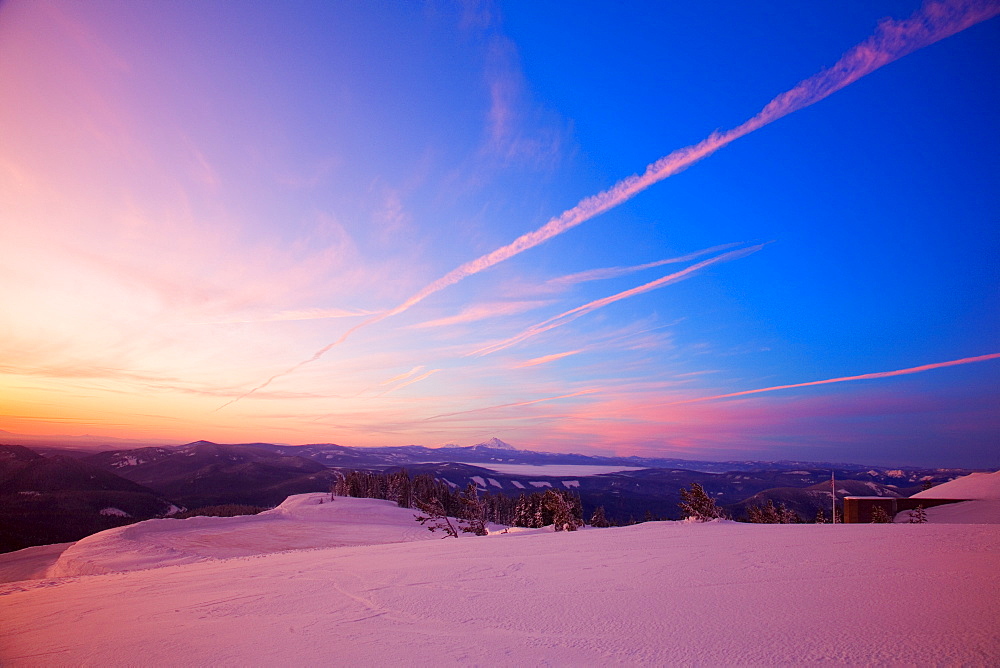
{"x": 615, "y": 272}
{"x": 545, "y": 359}
{"x": 935, "y": 20}
{"x": 573, "y": 314}
{"x": 411, "y": 381}
{"x": 516, "y": 404}
{"x": 482, "y": 312}
{"x": 865, "y": 376}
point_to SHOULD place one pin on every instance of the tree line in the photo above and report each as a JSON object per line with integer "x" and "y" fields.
{"x": 437, "y": 501}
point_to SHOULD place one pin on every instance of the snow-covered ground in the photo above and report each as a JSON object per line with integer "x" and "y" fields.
{"x": 974, "y": 486}
{"x": 983, "y": 490}
{"x": 301, "y": 522}
{"x": 652, "y": 594}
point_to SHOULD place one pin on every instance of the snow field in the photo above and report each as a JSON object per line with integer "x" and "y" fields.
{"x": 652, "y": 594}
{"x": 301, "y": 522}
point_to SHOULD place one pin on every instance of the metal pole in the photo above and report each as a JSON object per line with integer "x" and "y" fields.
{"x": 833, "y": 497}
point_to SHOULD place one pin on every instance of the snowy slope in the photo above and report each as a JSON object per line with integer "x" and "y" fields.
{"x": 984, "y": 508}
{"x": 652, "y": 594}
{"x": 302, "y": 521}
{"x": 973, "y": 486}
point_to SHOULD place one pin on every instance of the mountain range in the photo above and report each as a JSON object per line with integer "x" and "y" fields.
{"x": 52, "y": 495}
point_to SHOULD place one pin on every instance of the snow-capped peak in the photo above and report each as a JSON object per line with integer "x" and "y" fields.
{"x": 495, "y": 444}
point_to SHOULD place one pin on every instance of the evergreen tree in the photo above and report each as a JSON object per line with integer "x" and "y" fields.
{"x": 563, "y": 517}
{"x": 698, "y": 504}
{"x": 820, "y": 517}
{"x": 771, "y": 514}
{"x": 918, "y": 515}
{"x": 524, "y": 514}
{"x": 880, "y": 516}
{"x": 435, "y": 517}
{"x": 543, "y": 512}
{"x": 598, "y": 519}
{"x": 400, "y": 489}
{"x": 473, "y": 512}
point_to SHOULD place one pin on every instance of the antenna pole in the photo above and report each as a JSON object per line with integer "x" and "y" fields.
{"x": 833, "y": 497}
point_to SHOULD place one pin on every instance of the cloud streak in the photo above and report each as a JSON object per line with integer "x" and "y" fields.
{"x": 482, "y": 312}
{"x": 516, "y": 404}
{"x": 934, "y": 21}
{"x": 568, "y": 316}
{"x": 297, "y": 314}
{"x": 411, "y": 381}
{"x": 545, "y": 359}
{"x": 864, "y": 376}
{"x": 615, "y": 272}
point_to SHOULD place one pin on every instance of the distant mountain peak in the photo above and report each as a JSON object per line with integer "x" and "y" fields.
{"x": 495, "y": 444}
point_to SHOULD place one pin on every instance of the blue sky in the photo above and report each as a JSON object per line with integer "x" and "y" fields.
{"x": 242, "y": 222}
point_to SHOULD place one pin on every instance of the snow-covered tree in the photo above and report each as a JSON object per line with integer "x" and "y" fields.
{"x": 400, "y": 489}
{"x": 563, "y": 517}
{"x": 434, "y": 517}
{"x": 473, "y": 518}
{"x": 697, "y": 504}
{"x": 918, "y": 515}
{"x": 524, "y": 511}
{"x": 598, "y": 519}
{"x": 880, "y": 516}
{"x": 771, "y": 514}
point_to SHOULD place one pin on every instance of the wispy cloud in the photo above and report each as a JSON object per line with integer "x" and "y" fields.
{"x": 411, "y": 381}
{"x": 507, "y": 133}
{"x": 864, "y": 376}
{"x": 404, "y": 375}
{"x": 297, "y": 314}
{"x": 516, "y": 404}
{"x": 934, "y": 21}
{"x": 573, "y": 314}
{"x": 482, "y": 312}
{"x": 545, "y": 359}
{"x": 615, "y": 272}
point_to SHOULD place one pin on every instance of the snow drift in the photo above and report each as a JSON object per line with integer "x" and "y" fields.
{"x": 659, "y": 593}
{"x": 301, "y": 522}
{"x": 983, "y": 490}
{"x": 973, "y": 486}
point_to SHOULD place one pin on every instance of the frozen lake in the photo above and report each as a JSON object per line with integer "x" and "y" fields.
{"x": 575, "y": 470}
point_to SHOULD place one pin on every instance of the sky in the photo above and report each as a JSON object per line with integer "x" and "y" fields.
{"x": 700, "y": 230}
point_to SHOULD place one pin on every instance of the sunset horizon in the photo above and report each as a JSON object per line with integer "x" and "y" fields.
{"x": 707, "y": 233}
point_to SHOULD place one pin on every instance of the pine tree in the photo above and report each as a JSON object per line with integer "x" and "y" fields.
{"x": 435, "y": 517}
{"x": 880, "y": 516}
{"x": 598, "y": 519}
{"x": 697, "y": 504}
{"x": 918, "y": 515}
{"x": 820, "y": 517}
{"x": 400, "y": 489}
{"x": 771, "y": 514}
{"x": 563, "y": 517}
{"x": 473, "y": 518}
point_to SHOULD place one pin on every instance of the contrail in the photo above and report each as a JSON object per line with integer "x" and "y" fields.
{"x": 573, "y": 314}
{"x": 615, "y": 272}
{"x": 892, "y": 40}
{"x": 404, "y": 375}
{"x": 864, "y": 376}
{"x": 513, "y": 405}
{"x": 410, "y": 381}
{"x": 545, "y": 359}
